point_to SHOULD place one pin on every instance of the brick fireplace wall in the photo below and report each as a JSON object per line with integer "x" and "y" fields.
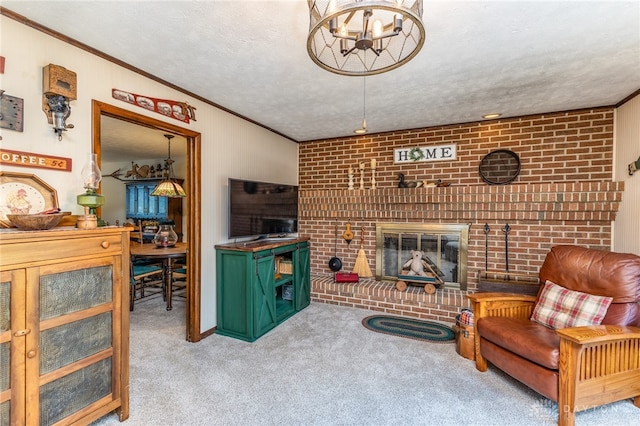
{"x": 563, "y": 195}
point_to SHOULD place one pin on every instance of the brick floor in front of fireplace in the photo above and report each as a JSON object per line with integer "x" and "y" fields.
{"x": 382, "y": 296}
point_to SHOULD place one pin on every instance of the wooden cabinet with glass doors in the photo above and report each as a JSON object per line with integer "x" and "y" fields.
{"x": 64, "y": 325}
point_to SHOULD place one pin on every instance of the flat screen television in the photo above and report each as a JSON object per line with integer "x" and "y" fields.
{"x": 261, "y": 209}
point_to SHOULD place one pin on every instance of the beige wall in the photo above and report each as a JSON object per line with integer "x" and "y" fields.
{"x": 626, "y": 228}
{"x": 230, "y": 146}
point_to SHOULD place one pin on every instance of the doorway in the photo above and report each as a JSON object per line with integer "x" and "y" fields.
{"x": 193, "y": 175}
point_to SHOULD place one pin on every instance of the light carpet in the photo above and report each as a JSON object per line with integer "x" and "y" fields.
{"x": 322, "y": 367}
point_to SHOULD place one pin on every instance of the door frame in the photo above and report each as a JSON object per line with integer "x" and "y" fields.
{"x": 193, "y": 189}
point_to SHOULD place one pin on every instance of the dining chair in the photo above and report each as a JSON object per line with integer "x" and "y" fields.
{"x": 135, "y": 232}
{"x": 145, "y": 274}
{"x": 179, "y": 281}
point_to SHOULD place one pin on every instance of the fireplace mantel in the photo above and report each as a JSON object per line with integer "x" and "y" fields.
{"x": 581, "y": 201}
{"x": 539, "y": 215}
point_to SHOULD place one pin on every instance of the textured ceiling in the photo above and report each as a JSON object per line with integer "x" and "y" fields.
{"x": 124, "y": 141}
{"x": 250, "y": 57}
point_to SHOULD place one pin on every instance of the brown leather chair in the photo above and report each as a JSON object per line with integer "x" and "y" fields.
{"x": 578, "y": 367}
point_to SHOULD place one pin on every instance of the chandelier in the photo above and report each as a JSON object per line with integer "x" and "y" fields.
{"x": 169, "y": 187}
{"x": 363, "y": 129}
{"x": 364, "y": 37}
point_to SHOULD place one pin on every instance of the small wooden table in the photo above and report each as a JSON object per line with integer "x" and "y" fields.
{"x": 167, "y": 255}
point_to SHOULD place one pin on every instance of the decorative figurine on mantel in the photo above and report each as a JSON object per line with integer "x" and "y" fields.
{"x": 350, "y": 178}
{"x": 439, "y": 183}
{"x": 361, "y": 175}
{"x": 407, "y": 184}
{"x": 373, "y": 174}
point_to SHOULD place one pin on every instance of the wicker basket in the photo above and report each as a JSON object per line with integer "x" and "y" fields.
{"x": 285, "y": 267}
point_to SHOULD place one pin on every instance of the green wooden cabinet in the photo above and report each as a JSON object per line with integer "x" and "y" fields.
{"x": 260, "y": 284}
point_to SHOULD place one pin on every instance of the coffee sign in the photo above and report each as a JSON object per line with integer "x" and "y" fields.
{"x": 30, "y": 159}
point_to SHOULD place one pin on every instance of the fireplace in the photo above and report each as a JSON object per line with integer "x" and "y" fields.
{"x": 444, "y": 248}
{"x": 540, "y": 216}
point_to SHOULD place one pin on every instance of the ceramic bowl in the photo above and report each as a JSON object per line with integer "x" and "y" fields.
{"x": 34, "y": 222}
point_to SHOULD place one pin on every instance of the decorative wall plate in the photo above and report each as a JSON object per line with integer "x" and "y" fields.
{"x": 500, "y": 167}
{"x": 22, "y": 193}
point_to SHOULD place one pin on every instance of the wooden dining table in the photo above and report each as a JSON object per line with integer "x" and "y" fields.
{"x": 167, "y": 254}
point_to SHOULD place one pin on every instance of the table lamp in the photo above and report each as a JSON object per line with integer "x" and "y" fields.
{"x": 90, "y": 200}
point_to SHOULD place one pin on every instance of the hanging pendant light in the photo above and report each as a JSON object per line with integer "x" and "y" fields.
{"x": 342, "y": 31}
{"x": 169, "y": 187}
{"x": 362, "y": 130}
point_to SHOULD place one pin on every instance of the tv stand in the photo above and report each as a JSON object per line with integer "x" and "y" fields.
{"x": 260, "y": 284}
{"x": 274, "y": 237}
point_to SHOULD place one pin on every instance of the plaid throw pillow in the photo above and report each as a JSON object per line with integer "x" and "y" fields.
{"x": 559, "y": 307}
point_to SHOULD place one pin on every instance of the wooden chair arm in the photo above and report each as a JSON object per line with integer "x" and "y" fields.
{"x": 501, "y": 305}
{"x": 598, "y": 365}
{"x": 480, "y": 297}
{"x": 598, "y": 334}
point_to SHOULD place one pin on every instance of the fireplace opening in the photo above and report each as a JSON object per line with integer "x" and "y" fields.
{"x": 444, "y": 248}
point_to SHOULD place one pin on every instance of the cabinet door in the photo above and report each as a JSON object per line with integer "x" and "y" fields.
{"x": 12, "y": 347}
{"x": 77, "y": 369}
{"x": 302, "y": 277}
{"x": 264, "y": 299}
{"x": 141, "y": 205}
{"x": 234, "y": 271}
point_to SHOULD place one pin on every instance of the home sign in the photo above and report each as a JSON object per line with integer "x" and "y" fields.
{"x": 425, "y": 154}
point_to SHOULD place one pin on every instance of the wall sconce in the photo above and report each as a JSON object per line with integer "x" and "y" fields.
{"x": 58, "y": 87}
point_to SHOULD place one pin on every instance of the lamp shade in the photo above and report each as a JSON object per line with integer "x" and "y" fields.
{"x": 168, "y": 188}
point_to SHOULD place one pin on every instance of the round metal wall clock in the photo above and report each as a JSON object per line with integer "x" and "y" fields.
{"x": 22, "y": 193}
{"x": 500, "y": 167}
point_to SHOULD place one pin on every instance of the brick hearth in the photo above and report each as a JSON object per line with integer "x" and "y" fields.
{"x": 382, "y": 296}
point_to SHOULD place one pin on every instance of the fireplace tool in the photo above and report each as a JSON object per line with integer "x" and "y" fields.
{"x": 486, "y": 246}
{"x": 347, "y": 235}
{"x": 506, "y": 229}
{"x": 362, "y": 264}
{"x": 335, "y": 264}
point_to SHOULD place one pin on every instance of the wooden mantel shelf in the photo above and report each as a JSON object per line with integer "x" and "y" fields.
{"x": 548, "y": 202}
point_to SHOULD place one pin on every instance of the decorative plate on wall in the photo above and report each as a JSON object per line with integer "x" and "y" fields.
{"x": 500, "y": 167}
{"x": 22, "y": 193}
